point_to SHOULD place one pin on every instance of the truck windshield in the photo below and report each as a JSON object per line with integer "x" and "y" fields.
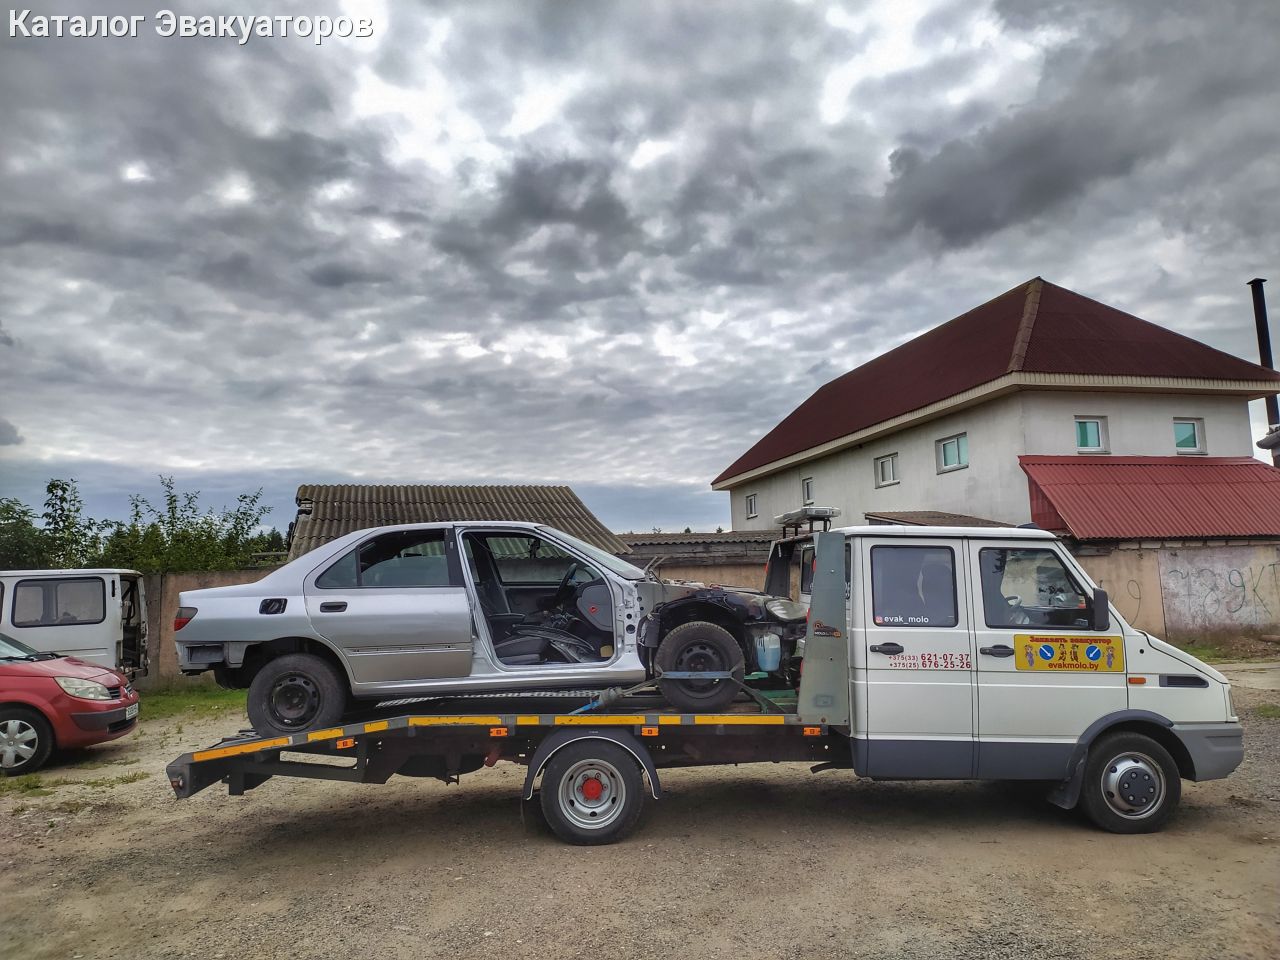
{"x": 606, "y": 560}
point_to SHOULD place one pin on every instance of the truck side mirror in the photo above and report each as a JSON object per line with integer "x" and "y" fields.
{"x": 1101, "y": 610}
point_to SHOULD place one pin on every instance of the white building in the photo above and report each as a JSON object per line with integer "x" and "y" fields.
{"x": 940, "y": 422}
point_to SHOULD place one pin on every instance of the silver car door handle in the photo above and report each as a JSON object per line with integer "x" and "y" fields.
{"x": 333, "y": 606}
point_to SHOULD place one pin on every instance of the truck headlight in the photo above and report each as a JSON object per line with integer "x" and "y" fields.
{"x": 84, "y": 689}
{"x": 787, "y": 611}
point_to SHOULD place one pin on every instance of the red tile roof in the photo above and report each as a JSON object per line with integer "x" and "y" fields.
{"x": 1036, "y": 327}
{"x": 1154, "y": 498}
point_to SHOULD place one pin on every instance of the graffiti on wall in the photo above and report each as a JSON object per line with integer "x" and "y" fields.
{"x": 1231, "y": 589}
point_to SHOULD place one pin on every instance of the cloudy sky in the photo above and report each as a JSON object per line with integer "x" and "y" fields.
{"x": 607, "y": 244}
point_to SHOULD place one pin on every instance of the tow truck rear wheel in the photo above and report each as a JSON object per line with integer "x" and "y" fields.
{"x": 592, "y": 793}
{"x": 296, "y": 692}
{"x": 700, "y": 646}
{"x": 1131, "y": 784}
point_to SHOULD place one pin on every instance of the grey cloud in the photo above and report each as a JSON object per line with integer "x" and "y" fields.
{"x": 546, "y": 306}
{"x": 9, "y": 435}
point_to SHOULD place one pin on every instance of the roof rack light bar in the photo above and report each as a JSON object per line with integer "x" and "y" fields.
{"x": 795, "y": 519}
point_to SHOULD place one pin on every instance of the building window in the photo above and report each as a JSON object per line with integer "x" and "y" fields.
{"x": 887, "y": 470}
{"x": 1188, "y": 435}
{"x": 1091, "y": 435}
{"x": 953, "y": 453}
{"x": 806, "y": 490}
{"x": 751, "y": 505}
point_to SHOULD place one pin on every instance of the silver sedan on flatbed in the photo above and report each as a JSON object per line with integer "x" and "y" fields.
{"x": 434, "y": 609}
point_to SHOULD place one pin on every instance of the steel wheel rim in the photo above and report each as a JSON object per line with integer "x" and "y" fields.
{"x": 1133, "y": 785}
{"x": 19, "y": 741}
{"x": 295, "y": 700}
{"x": 697, "y": 656}
{"x": 592, "y": 794}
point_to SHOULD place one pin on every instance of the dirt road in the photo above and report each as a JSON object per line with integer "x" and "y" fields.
{"x": 757, "y": 861}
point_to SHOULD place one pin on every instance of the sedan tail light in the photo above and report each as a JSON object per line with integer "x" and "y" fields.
{"x": 183, "y": 617}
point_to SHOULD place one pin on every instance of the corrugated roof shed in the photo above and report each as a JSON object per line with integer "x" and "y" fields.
{"x": 1037, "y": 327}
{"x": 328, "y": 511}
{"x": 931, "y": 518}
{"x": 1154, "y": 498}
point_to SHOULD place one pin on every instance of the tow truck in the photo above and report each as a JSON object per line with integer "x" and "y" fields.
{"x": 919, "y": 663}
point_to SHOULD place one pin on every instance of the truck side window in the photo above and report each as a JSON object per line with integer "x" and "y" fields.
{"x": 406, "y": 558}
{"x": 57, "y": 603}
{"x": 1031, "y": 588}
{"x": 913, "y": 586}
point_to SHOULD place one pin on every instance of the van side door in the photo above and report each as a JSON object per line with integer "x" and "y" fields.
{"x": 1043, "y": 673}
{"x": 919, "y": 659}
{"x": 396, "y": 608}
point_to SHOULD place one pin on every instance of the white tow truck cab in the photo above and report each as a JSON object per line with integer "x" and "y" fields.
{"x": 935, "y": 653}
{"x": 987, "y": 653}
{"x": 98, "y": 615}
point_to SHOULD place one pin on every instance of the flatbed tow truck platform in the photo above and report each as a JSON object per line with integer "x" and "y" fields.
{"x": 598, "y": 754}
{"x": 593, "y": 764}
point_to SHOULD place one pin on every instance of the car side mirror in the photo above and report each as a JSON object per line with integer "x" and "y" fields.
{"x": 1101, "y": 610}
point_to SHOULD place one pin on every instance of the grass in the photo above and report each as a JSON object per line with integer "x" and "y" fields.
{"x": 1208, "y": 652}
{"x": 108, "y": 782}
{"x": 1269, "y": 710}
{"x": 193, "y": 700}
{"x": 1223, "y": 649}
{"x": 28, "y": 785}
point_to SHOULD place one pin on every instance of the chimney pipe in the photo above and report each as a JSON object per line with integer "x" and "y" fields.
{"x": 1272, "y": 439}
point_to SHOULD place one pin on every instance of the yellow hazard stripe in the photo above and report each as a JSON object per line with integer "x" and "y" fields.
{"x": 376, "y": 726}
{"x": 764, "y": 720}
{"x": 324, "y": 734}
{"x": 603, "y": 720}
{"x": 468, "y": 721}
{"x": 253, "y": 747}
{"x": 667, "y": 720}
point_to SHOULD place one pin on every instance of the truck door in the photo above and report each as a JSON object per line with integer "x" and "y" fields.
{"x": 1043, "y": 673}
{"x": 396, "y": 607}
{"x": 919, "y": 660}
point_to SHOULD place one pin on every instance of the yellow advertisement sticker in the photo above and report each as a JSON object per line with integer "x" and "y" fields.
{"x": 1055, "y": 652}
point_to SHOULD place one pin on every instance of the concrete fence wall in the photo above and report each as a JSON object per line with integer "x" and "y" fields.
{"x": 162, "y": 604}
{"x": 1188, "y": 591}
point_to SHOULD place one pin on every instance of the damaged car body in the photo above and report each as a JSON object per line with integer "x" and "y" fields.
{"x": 474, "y": 607}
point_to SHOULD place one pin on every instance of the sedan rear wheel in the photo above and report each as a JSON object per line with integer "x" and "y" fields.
{"x": 296, "y": 692}
{"x": 26, "y": 740}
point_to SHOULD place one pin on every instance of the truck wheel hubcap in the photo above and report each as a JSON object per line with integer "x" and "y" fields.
{"x": 1133, "y": 785}
{"x": 295, "y": 700}
{"x": 592, "y": 794}
{"x": 18, "y": 742}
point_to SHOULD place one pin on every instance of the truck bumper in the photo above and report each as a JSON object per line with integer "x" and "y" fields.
{"x": 1215, "y": 748}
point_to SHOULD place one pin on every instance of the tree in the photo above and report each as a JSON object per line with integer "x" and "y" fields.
{"x": 23, "y": 545}
{"x": 72, "y": 539}
{"x": 178, "y": 535}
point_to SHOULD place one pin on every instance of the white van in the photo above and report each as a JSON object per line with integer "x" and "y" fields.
{"x": 98, "y": 615}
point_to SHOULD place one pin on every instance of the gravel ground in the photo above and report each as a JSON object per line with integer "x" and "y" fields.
{"x": 755, "y": 861}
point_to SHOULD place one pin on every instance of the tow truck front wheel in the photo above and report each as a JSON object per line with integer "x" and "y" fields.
{"x": 700, "y": 647}
{"x": 592, "y": 793}
{"x": 1131, "y": 784}
{"x": 293, "y": 693}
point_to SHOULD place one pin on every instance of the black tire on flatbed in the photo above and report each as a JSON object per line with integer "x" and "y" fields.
{"x": 700, "y": 646}
{"x": 319, "y": 690}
